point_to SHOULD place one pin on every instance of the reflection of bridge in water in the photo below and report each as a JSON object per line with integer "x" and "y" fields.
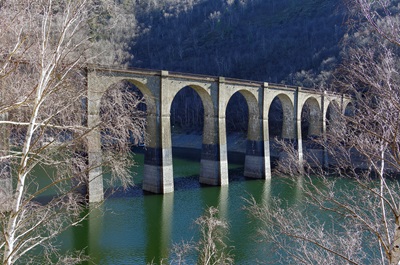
{"x": 159, "y": 89}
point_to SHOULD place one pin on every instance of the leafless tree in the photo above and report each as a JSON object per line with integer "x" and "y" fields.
{"x": 353, "y": 217}
{"x": 210, "y": 249}
{"x": 44, "y": 47}
{"x": 382, "y": 16}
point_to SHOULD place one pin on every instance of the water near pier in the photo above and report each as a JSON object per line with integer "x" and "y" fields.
{"x": 137, "y": 228}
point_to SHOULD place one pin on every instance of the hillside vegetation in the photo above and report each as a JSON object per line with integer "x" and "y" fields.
{"x": 269, "y": 40}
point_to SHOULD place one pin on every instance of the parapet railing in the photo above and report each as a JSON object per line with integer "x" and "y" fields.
{"x": 229, "y": 80}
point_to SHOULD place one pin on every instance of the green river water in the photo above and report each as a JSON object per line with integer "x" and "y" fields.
{"x": 138, "y": 228}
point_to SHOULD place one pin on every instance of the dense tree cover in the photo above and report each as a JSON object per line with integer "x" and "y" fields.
{"x": 257, "y": 40}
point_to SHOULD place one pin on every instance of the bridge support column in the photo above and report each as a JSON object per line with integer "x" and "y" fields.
{"x": 254, "y": 165}
{"x": 95, "y": 175}
{"x": 158, "y": 171}
{"x": 258, "y": 160}
{"x": 95, "y": 182}
{"x": 300, "y": 144}
{"x": 267, "y": 149}
{"x": 5, "y": 171}
{"x": 327, "y": 160}
{"x": 214, "y": 154}
{"x": 297, "y": 118}
{"x": 265, "y": 132}
{"x": 314, "y": 151}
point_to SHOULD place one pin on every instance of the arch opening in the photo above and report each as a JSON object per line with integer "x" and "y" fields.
{"x": 311, "y": 131}
{"x": 349, "y": 110}
{"x": 275, "y": 119}
{"x": 237, "y": 123}
{"x": 237, "y": 114}
{"x": 187, "y": 125}
{"x": 187, "y": 112}
{"x": 123, "y": 112}
{"x": 311, "y": 123}
{"x": 334, "y": 132}
{"x": 247, "y": 142}
{"x": 332, "y": 115}
{"x": 281, "y": 125}
{"x": 121, "y": 102}
{"x": 281, "y": 118}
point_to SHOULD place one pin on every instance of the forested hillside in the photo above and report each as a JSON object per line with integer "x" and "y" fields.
{"x": 266, "y": 40}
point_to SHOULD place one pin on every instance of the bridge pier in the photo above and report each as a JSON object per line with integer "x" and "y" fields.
{"x": 214, "y": 154}
{"x": 95, "y": 160}
{"x": 158, "y": 171}
{"x": 254, "y": 165}
{"x": 298, "y": 133}
{"x": 5, "y": 171}
{"x": 267, "y": 148}
{"x": 315, "y": 152}
{"x": 265, "y": 132}
{"x": 299, "y": 139}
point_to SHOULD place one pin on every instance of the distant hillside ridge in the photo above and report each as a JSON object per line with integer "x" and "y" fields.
{"x": 264, "y": 40}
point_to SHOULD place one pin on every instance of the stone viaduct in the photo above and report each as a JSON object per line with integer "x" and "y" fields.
{"x": 159, "y": 89}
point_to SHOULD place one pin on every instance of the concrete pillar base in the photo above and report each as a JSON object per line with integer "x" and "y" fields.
{"x": 315, "y": 157}
{"x": 96, "y": 192}
{"x": 210, "y": 173}
{"x": 158, "y": 172}
{"x": 267, "y": 160}
{"x": 158, "y": 179}
{"x": 254, "y": 167}
{"x": 5, "y": 194}
{"x": 95, "y": 185}
{"x": 213, "y": 171}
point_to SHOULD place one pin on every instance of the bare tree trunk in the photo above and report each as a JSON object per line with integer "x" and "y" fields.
{"x": 395, "y": 247}
{"x": 42, "y": 89}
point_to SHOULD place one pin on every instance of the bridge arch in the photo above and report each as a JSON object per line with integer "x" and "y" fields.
{"x": 209, "y": 128}
{"x": 254, "y": 165}
{"x": 100, "y": 84}
{"x": 286, "y": 108}
{"x": 311, "y": 117}
{"x": 348, "y": 108}
{"x": 201, "y": 92}
{"x": 150, "y": 102}
{"x": 311, "y": 129}
{"x": 147, "y": 94}
{"x": 332, "y": 112}
{"x": 254, "y": 113}
{"x": 210, "y": 148}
